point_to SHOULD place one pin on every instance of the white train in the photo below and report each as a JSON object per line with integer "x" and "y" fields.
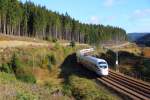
{"x": 100, "y": 66}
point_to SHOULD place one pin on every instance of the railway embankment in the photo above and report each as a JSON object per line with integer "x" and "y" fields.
{"x": 46, "y": 72}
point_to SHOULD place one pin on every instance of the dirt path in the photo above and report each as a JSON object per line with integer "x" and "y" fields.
{"x": 15, "y": 43}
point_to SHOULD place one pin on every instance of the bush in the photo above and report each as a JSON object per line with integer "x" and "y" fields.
{"x": 48, "y": 84}
{"x": 57, "y": 45}
{"x": 7, "y": 77}
{"x": 51, "y": 39}
{"x": 52, "y": 59}
{"x": 25, "y": 96}
{"x": 22, "y": 73}
{"x": 66, "y": 51}
{"x": 44, "y": 62}
{"x": 67, "y": 90}
{"x": 49, "y": 66}
{"x": 22, "y": 97}
{"x": 48, "y": 38}
{"x": 15, "y": 63}
{"x": 54, "y": 40}
{"x": 5, "y": 68}
{"x": 29, "y": 78}
{"x": 72, "y": 44}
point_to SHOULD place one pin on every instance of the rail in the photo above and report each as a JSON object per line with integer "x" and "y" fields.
{"x": 134, "y": 89}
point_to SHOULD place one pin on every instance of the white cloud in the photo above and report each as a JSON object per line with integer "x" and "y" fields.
{"x": 101, "y": 19}
{"x": 141, "y": 13}
{"x": 108, "y": 3}
{"x": 94, "y": 20}
{"x": 140, "y": 20}
{"x": 111, "y": 18}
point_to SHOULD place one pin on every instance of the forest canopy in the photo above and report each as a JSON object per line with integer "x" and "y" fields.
{"x": 28, "y": 19}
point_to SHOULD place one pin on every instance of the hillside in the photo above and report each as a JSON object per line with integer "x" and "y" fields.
{"x": 13, "y": 89}
{"x": 145, "y": 40}
{"x": 130, "y": 63}
{"x": 135, "y": 36}
{"x": 45, "y": 72}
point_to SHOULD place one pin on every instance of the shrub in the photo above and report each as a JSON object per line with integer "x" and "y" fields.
{"x": 48, "y": 38}
{"x": 54, "y": 40}
{"x": 52, "y": 59}
{"x": 67, "y": 90}
{"x": 29, "y": 78}
{"x": 51, "y": 39}
{"x": 44, "y": 62}
{"x": 49, "y": 66}
{"x": 48, "y": 84}
{"x": 22, "y": 97}
{"x": 72, "y": 44}
{"x": 25, "y": 96}
{"x": 66, "y": 51}
{"x": 15, "y": 62}
{"x": 7, "y": 77}
{"x": 5, "y": 68}
{"x": 20, "y": 70}
{"x": 57, "y": 45}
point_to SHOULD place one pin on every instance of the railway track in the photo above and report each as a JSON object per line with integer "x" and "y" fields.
{"x": 134, "y": 89}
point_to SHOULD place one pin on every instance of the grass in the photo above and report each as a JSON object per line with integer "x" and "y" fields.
{"x": 19, "y": 38}
{"x": 13, "y": 89}
{"x": 131, "y": 48}
{"x": 79, "y": 82}
{"x": 40, "y": 73}
{"x": 129, "y": 63}
{"x": 85, "y": 89}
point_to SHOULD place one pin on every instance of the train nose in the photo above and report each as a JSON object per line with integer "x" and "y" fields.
{"x": 104, "y": 72}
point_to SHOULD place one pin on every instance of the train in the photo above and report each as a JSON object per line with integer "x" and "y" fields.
{"x": 99, "y": 66}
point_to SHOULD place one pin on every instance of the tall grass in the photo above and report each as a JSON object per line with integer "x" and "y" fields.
{"x": 43, "y": 66}
{"x": 85, "y": 89}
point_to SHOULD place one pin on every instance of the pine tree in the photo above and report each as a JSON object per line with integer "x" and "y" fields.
{"x": 33, "y": 20}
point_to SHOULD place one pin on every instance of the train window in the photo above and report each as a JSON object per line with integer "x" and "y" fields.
{"x": 103, "y": 66}
{"x": 101, "y": 63}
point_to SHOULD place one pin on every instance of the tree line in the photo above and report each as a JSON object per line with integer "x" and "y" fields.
{"x": 28, "y": 19}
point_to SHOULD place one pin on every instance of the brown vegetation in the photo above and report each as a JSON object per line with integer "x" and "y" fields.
{"x": 146, "y": 52}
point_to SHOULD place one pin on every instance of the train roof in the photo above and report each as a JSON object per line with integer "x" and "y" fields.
{"x": 95, "y": 59}
{"x": 85, "y": 51}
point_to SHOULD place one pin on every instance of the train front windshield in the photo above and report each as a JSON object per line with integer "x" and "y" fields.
{"x": 102, "y": 64}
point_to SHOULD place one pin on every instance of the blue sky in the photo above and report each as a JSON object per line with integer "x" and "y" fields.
{"x": 131, "y": 15}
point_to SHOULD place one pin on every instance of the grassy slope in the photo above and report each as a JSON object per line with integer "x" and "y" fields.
{"x": 133, "y": 60}
{"x": 13, "y": 89}
{"x": 58, "y": 82}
